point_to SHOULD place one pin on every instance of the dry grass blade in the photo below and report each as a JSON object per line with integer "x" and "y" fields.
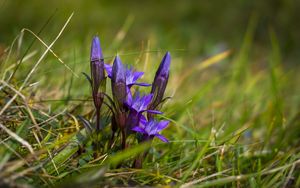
{"x": 18, "y": 93}
{"x": 51, "y": 118}
{"x": 189, "y": 184}
{"x": 229, "y": 179}
{"x": 55, "y": 55}
{"x": 36, "y": 65}
{"x": 17, "y": 138}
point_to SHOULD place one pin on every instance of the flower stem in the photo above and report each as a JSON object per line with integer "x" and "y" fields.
{"x": 98, "y": 126}
{"x": 123, "y": 139}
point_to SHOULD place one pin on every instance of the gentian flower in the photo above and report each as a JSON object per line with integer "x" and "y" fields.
{"x": 140, "y": 104}
{"x": 160, "y": 81}
{"x": 98, "y": 79}
{"x": 151, "y": 129}
{"x": 131, "y": 76}
{"x": 130, "y": 110}
{"x": 137, "y": 105}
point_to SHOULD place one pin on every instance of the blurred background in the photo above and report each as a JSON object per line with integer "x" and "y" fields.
{"x": 198, "y": 27}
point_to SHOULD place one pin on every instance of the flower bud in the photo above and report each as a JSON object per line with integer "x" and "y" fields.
{"x": 118, "y": 82}
{"x": 160, "y": 82}
{"x": 97, "y": 72}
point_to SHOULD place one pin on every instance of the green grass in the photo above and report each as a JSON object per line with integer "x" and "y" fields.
{"x": 235, "y": 118}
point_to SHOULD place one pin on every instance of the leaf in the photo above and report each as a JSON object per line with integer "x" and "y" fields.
{"x": 87, "y": 125}
{"x": 87, "y": 77}
{"x": 5, "y": 154}
{"x": 66, "y": 153}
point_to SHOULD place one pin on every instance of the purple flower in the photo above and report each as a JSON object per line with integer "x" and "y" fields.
{"x": 137, "y": 105}
{"x": 118, "y": 82}
{"x": 152, "y": 128}
{"x": 140, "y": 104}
{"x": 160, "y": 81}
{"x": 131, "y": 76}
{"x": 98, "y": 79}
{"x": 97, "y": 72}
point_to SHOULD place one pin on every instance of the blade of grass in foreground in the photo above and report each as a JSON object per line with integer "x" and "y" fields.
{"x": 230, "y": 179}
{"x": 199, "y": 156}
{"x": 91, "y": 174}
{"x": 5, "y": 154}
{"x": 72, "y": 147}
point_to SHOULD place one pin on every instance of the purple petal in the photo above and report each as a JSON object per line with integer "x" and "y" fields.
{"x": 137, "y": 75}
{"x": 162, "y": 125}
{"x": 143, "y": 121}
{"x": 129, "y": 76}
{"x": 139, "y": 103}
{"x": 97, "y": 69}
{"x": 129, "y": 97}
{"x": 119, "y": 71}
{"x": 161, "y": 137}
{"x": 154, "y": 111}
{"x": 154, "y": 127}
{"x": 160, "y": 81}
{"x": 138, "y": 129}
{"x": 150, "y": 127}
{"x": 147, "y": 99}
{"x": 132, "y": 77}
{"x": 108, "y": 69}
{"x": 96, "y": 51}
{"x": 164, "y": 66}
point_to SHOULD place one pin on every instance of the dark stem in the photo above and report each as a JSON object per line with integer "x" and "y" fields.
{"x": 138, "y": 162}
{"x": 123, "y": 139}
{"x": 98, "y": 126}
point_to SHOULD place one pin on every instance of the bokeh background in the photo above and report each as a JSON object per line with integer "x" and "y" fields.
{"x": 199, "y": 27}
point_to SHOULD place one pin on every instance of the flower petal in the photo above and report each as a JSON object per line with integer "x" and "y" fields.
{"x": 162, "y": 138}
{"x": 129, "y": 97}
{"x": 108, "y": 69}
{"x": 140, "y": 103}
{"x": 136, "y": 75}
{"x": 154, "y": 111}
{"x": 96, "y": 51}
{"x": 162, "y": 125}
{"x": 147, "y": 99}
{"x": 138, "y": 129}
{"x": 160, "y": 81}
{"x": 164, "y": 67}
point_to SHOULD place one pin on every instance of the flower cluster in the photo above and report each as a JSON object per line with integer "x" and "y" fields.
{"x": 132, "y": 112}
